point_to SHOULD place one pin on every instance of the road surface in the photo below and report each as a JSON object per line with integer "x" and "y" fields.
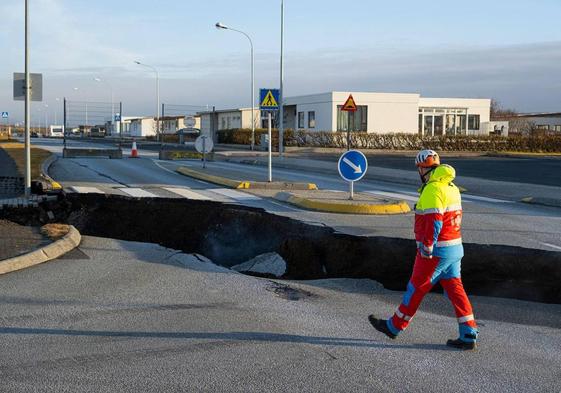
{"x": 486, "y": 220}
{"x": 117, "y": 316}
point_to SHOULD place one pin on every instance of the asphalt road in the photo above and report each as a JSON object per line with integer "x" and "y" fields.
{"x": 132, "y": 317}
{"x": 486, "y": 220}
{"x": 539, "y": 170}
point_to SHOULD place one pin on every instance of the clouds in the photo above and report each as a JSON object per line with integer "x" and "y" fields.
{"x": 73, "y": 41}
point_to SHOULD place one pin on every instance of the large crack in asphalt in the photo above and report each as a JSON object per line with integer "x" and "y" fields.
{"x": 231, "y": 234}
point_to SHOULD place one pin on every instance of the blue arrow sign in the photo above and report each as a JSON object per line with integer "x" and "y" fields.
{"x": 4, "y": 115}
{"x": 352, "y": 165}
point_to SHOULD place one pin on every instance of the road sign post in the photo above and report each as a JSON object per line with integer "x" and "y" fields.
{"x": 349, "y": 106}
{"x": 352, "y": 167}
{"x": 269, "y": 101}
{"x": 204, "y": 145}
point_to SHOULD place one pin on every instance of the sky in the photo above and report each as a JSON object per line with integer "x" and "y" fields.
{"x": 506, "y": 50}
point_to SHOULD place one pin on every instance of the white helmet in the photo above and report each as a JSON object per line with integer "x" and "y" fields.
{"x": 427, "y": 159}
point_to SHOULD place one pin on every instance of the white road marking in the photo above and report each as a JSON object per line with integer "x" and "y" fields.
{"x": 394, "y": 195}
{"x": 188, "y": 193}
{"x": 86, "y": 190}
{"x": 138, "y": 192}
{"x": 484, "y": 199}
{"x": 236, "y": 195}
{"x": 551, "y": 245}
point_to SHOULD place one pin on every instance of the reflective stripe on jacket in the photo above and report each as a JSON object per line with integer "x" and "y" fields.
{"x": 438, "y": 215}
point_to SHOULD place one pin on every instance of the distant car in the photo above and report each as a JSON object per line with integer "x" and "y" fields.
{"x": 34, "y": 135}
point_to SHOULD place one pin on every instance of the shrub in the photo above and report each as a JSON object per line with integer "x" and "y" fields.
{"x": 363, "y": 140}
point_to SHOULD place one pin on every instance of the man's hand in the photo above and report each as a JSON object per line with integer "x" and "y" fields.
{"x": 425, "y": 251}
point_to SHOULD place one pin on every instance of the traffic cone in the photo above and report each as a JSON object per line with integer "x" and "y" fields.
{"x": 134, "y": 150}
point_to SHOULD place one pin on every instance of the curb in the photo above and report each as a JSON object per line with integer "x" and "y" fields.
{"x": 400, "y": 207}
{"x": 245, "y": 184}
{"x": 552, "y": 202}
{"x": 54, "y": 250}
{"x": 45, "y": 172}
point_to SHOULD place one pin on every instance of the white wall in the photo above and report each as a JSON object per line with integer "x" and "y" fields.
{"x": 143, "y": 128}
{"x": 322, "y": 104}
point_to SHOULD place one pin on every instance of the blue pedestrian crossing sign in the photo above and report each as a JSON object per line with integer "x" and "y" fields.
{"x": 4, "y": 115}
{"x": 352, "y": 165}
{"x": 269, "y": 99}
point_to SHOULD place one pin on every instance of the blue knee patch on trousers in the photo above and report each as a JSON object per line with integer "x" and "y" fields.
{"x": 408, "y": 294}
{"x": 468, "y": 333}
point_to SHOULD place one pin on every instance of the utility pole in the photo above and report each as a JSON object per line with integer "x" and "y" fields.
{"x": 27, "y": 107}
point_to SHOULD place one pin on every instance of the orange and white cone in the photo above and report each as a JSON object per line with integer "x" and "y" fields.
{"x": 134, "y": 150}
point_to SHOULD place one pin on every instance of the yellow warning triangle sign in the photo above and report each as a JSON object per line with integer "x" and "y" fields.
{"x": 350, "y": 105}
{"x": 269, "y": 101}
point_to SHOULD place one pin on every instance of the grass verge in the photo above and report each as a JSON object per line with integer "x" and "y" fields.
{"x": 17, "y": 152}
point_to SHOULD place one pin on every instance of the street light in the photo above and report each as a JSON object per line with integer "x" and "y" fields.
{"x": 224, "y": 27}
{"x": 157, "y": 94}
{"x": 112, "y": 106}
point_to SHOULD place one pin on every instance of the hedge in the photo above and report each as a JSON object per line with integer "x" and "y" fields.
{"x": 362, "y": 140}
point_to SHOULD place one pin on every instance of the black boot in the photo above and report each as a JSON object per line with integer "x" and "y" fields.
{"x": 381, "y": 325}
{"x": 460, "y": 344}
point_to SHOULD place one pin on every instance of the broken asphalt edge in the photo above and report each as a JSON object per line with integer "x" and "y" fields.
{"x": 52, "y": 251}
{"x": 244, "y": 184}
{"x": 397, "y": 207}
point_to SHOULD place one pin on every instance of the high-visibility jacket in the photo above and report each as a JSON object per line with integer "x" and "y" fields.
{"x": 438, "y": 216}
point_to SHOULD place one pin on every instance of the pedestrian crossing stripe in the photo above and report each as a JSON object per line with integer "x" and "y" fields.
{"x": 269, "y": 101}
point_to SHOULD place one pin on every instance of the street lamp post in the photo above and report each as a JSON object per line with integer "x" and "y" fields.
{"x": 224, "y": 27}
{"x": 46, "y": 121}
{"x": 281, "y": 91}
{"x": 157, "y": 96}
{"x": 112, "y": 100}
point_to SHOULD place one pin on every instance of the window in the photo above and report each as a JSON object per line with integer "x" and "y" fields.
{"x": 300, "y": 119}
{"x": 312, "y": 119}
{"x": 473, "y": 122}
{"x": 352, "y": 121}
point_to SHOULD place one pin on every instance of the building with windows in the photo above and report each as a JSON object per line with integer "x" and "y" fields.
{"x": 228, "y": 119}
{"x": 388, "y": 113}
{"x": 546, "y": 121}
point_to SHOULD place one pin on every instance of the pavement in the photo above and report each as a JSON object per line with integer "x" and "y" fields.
{"x": 136, "y": 317}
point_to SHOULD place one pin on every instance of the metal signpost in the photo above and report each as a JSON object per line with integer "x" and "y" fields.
{"x": 204, "y": 145}
{"x": 349, "y": 106}
{"x": 269, "y": 102}
{"x": 352, "y": 167}
{"x": 5, "y": 115}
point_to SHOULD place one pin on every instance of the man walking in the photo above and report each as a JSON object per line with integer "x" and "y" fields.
{"x": 438, "y": 218}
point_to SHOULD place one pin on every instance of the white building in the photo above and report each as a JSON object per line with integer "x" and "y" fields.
{"x": 172, "y": 124}
{"x": 547, "y": 121}
{"x": 228, "y": 119}
{"x": 142, "y": 127}
{"x": 388, "y": 113}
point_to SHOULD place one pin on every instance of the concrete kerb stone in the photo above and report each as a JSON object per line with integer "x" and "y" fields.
{"x": 397, "y": 207}
{"x": 245, "y": 184}
{"x": 52, "y": 251}
{"x": 45, "y": 172}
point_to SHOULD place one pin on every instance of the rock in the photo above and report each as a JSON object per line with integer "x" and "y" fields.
{"x": 270, "y": 263}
